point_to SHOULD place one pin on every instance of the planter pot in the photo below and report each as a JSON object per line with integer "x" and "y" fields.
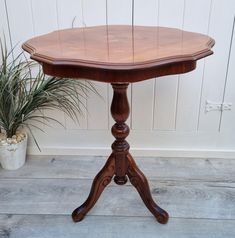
{"x": 12, "y": 156}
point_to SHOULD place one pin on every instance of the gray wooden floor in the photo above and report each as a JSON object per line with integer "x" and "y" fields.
{"x": 199, "y": 194}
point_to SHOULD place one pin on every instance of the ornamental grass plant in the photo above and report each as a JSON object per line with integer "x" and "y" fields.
{"x": 24, "y": 94}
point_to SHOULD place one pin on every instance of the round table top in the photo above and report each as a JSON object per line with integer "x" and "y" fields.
{"x": 114, "y": 52}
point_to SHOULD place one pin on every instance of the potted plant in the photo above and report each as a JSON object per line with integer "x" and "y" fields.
{"x": 23, "y": 97}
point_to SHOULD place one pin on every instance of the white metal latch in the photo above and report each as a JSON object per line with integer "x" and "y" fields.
{"x": 215, "y": 106}
{"x": 226, "y": 106}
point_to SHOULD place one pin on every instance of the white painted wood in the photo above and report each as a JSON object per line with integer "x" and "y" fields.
{"x": 20, "y": 22}
{"x": 145, "y": 152}
{"x": 49, "y": 21}
{"x": 42, "y": 25}
{"x": 60, "y": 226}
{"x": 190, "y": 84}
{"x": 94, "y": 12}
{"x": 142, "y": 105}
{"x": 81, "y": 124}
{"x": 171, "y": 14}
{"x": 146, "y": 13}
{"x": 97, "y": 107}
{"x": 82, "y": 117}
{"x": 215, "y": 70}
{"x": 168, "y": 106}
{"x": 4, "y": 31}
{"x": 57, "y": 120}
{"x": 71, "y": 16}
{"x": 189, "y": 95}
{"x": 165, "y": 102}
{"x": 119, "y": 12}
{"x": 143, "y": 143}
{"x": 228, "y": 117}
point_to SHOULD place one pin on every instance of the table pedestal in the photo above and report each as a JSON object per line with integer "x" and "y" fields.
{"x": 120, "y": 164}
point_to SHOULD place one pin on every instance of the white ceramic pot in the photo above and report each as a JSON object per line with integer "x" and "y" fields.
{"x": 13, "y": 156}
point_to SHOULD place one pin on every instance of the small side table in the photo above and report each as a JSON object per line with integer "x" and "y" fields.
{"x": 119, "y": 55}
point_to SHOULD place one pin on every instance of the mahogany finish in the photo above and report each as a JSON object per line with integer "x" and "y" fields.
{"x": 120, "y": 163}
{"x": 119, "y": 55}
{"x": 102, "y": 179}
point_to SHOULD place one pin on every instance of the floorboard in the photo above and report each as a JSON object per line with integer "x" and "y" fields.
{"x": 36, "y": 201}
{"x": 61, "y": 196}
{"x": 47, "y": 226}
{"x": 154, "y": 168}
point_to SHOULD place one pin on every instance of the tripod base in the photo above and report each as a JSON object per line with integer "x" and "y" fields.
{"x": 137, "y": 179}
{"x": 120, "y": 163}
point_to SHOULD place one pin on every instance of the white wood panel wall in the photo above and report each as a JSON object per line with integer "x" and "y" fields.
{"x": 168, "y": 113}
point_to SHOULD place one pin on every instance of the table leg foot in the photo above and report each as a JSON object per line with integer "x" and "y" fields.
{"x": 139, "y": 181}
{"x": 102, "y": 179}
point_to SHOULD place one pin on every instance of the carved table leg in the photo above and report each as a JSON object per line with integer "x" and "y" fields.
{"x": 139, "y": 181}
{"x": 120, "y": 162}
{"x": 102, "y": 179}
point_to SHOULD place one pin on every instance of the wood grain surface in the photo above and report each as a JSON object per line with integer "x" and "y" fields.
{"x": 60, "y": 226}
{"x": 36, "y": 201}
{"x": 102, "y": 53}
{"x": 119, "y": 47}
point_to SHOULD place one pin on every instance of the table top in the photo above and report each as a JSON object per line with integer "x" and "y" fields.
{"x": 118, "y": 53}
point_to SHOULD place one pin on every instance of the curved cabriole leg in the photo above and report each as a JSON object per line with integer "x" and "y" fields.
{"x": 102, "y": 179}
{"x": 139, "y": 181}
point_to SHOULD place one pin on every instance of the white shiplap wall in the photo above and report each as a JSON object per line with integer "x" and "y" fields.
{"x": 168, "y": 113}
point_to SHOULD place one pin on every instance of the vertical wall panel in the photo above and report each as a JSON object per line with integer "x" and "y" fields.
{"x": 171, "y": 14}
{"x": 71, "y": 124}
{"x": 119, "y": 12}
{"x": 167, "y": 103}
{"x": 97, "y": 107}
{"x": 228, "y": 117}
{"x": 145, "y": 13}
{"x": 44, "y": 16}
{"x": 4, "y": 31}
{"x": 94, "y": 13}
{"x": 190, "y": 84}
{"x": 142, "y": 105}
{"x": 45, "y": 20}
{"x": 69, "y": 13}
{"x": 215, "y": 70}
{"x": 20, "y": 21}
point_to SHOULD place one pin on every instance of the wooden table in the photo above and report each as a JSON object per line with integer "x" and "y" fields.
{"x": 119, "y": 55}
